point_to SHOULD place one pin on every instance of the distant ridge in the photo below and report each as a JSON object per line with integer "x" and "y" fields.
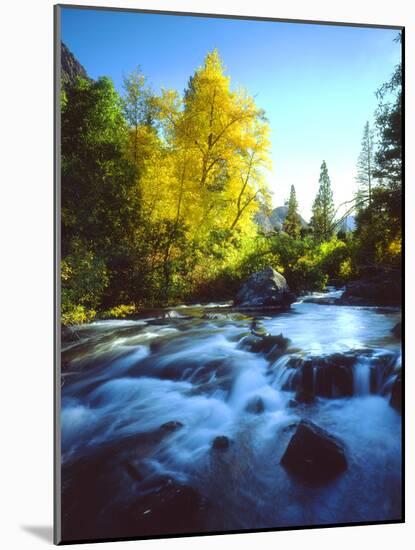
{"x": 275, "y": 220}
{"x": 71, "y": 69}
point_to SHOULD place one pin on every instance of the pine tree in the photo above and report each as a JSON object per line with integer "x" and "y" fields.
{"x": 292, "y": 224}
{"x": 323, "y": 208}
{"x": 389, "y": 125}
{"x": 365, "y": 169}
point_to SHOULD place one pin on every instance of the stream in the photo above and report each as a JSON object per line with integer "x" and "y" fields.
{"x": 176, "y": 422}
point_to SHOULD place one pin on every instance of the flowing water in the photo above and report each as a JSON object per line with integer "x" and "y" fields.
{"x": 143, "y": 400}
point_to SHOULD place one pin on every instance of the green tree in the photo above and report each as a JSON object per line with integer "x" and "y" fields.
{"x": 389, "y": 124}
{"x": 378, "y": 237}
{"x": 138, "y": 106}
{"x": 365, "y": 167}
{"x": 292, "y": 223}
{"x": 100, "y": 197}
{"x": 322, "y": 220}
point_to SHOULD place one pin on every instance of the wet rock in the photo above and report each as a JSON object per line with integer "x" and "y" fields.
{"x": 313, "y": 454}
{"x": 292, "y": 403}
{"x": 304, "y": 396}
{"x": 172, "y": 508}
{"x": 321, "y": 300}
{"x": 307, "y": 377}
{"x": 397, "y": 330}
{"x": 255, "y": 406}
{"x": 133, "y": 471}
{"x": 334, "y": 380}
{"x": 329, "y": 376}
{"x": 221, "y": 443}
{"x": 263, "y": 289}
{"x": 379, "y": 290}
{"x": 216, "y": 316}
{"x": 396, "y": 394}
{"x": 171, "y": 426}
{"x": 272, "y": 346}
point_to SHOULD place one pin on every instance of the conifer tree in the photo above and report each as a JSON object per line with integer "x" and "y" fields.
{"x": 323, "y": 208}
{"x": 292, "y": 224}
{"x": 365, "y": 168}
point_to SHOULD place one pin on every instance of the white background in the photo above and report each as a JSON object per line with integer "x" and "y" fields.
{"x": 26, "y": 307}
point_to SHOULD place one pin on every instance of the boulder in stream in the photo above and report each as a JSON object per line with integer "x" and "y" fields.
{"x": 264, "y": 289}
{"x": 381, "y": 290}
{"x": 171, "y": 508}
{"x": 221, "y": 443}
{"x": 313, "y": 454}
{"x": 171, "y": 426}
{"x": 255, "y": 405}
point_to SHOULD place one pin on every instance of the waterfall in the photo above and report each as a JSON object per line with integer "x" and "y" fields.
{"x": 361, "y": 376}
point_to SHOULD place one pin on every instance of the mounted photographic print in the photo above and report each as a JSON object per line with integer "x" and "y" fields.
{"x": 229, "y": 196}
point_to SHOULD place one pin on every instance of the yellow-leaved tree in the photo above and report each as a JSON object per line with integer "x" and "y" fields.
{"x": 202, "y": 160}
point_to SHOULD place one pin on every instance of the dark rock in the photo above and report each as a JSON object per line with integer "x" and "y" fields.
{"x": 221, "y": 443}
{"x": 171, "y": 426}
{"x": 133, "y": 472}
{"x": 304, "y": 396}
{"x": 255, "y": 405}
{"x": 380, "y": 290}
{"x": 329, "y": 376}
{"x": 313, "y": 454}
{"x": 292, "y": 403}
{"x": 172, "y": 508}
{"x": 307, "y": 377}
{"x": 334, "y": 376}
{"x": 396, "y": 394}
{"x": 397, "y": 330}
{"x": 264, "y": 289}
{"x": 273, "y": 346}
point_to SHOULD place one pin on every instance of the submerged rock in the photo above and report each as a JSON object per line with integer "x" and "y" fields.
{"x": 221, "y": 443}
{"x": 255, "y": 405}
{"x": 337, "y": 375}
{"x": 171, "y": 426}
{"x": 172, "y": 508}
{"x": 264, "y": 289}
{"x": 304, "y": 396}
{"x": 272, "y": 346}
{"x": 133, "y": 471}
{"x": 313, "y": 454}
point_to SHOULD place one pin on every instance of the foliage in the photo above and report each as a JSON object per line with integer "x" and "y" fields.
{"x": 365, "y": 166}
{"x": 389, "y": 124}
{"x": 322, "y": 221}
{"x": 84, "y": 278}
{"x": 292, "y": 223}
{"x": 119, "y": 312}
{"x": 159, "y": 194}
{"x": 378, "y": 237}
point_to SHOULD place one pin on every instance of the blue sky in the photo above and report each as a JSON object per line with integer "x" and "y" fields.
{"x": 316, "y": 83}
